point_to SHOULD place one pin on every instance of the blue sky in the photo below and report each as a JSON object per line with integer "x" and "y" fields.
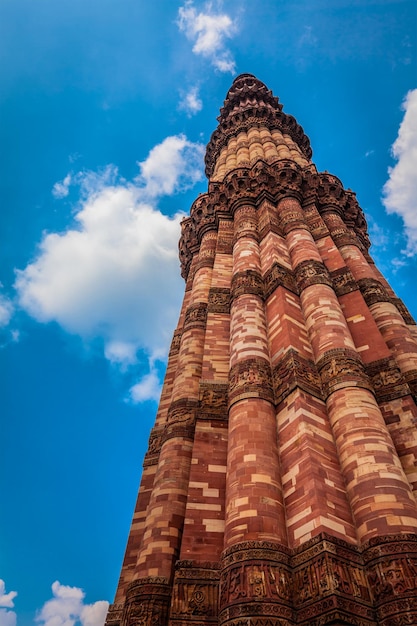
{"x": 105, "y": 109}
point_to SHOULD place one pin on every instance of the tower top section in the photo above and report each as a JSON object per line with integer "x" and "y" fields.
{"x": 249, "y": 102}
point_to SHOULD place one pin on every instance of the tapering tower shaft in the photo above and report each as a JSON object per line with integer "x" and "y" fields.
{"x": 280, "y": 482}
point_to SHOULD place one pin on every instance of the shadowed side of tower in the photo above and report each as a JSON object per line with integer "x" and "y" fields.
{"x": 280, "y": 479}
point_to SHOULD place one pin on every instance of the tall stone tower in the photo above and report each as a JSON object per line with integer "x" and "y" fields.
{"x": 280, "y": 479}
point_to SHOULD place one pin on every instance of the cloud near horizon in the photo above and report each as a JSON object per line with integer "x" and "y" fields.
{"x": 400, "y": 191}
{"x": 114, "y": 276}
{"x": 7, "y": 617}
{"x": 209, "y": 31}
{"x": 67, "y": 608}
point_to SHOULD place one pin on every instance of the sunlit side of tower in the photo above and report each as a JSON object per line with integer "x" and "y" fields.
{"x": 280, "y": 479}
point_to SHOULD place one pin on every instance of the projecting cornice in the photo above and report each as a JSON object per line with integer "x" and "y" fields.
{"x": 272, "y": 182}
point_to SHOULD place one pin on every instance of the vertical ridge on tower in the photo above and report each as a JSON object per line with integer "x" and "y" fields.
{"x": 279, "y": 486}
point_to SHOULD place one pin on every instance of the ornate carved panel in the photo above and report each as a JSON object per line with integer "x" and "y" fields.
{"x": 195, "y": 594}
{"x": 154, "y": 446}
{"x": 175, "y": 343}
{"x": 278, "y": 276}
{"x": 309, "y": 273}
{"x": 386, "y": 380}
{"x": 249, "y": 281}
{"x": 114, "y": 615}
{"x": 256, "y": 583}
{"x": 213, "y": 400}
{"x": 294, "y": 371}
{"x": 373, "y": 291}
{"x": 391, "y": 564}
{"x": 340, "y": 368}
{"x": 182, "y": 411}
{"x": 250, "y": 378}
{"x": 147, "y": 602}
{"x": 219, "y": 300}
{"x": 343, "y": 281}
{"x": 196, "y": 316}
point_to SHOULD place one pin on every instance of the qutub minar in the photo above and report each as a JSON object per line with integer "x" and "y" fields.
{"x": 280, "y": 479}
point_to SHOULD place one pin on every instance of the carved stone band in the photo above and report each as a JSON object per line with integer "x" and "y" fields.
{"x": 341, "y": 368}
{"x": 147, "y": 602}
{"x": 373, "y": 291}
{"x": 391, "y": 564}
{"x": 279, "y": 276}
{"x": 250, "y": 378}
{"x": 182, "y": 410}
{"x": 386, "y": 380}
{"x": 309, "y": 273}
{"x": 249, "y": 281}
{"x": 219, "y": 300}
{"x": 175, "y": 343}
{"x": 196, "y": 316}
{"x": 154, "y": 446}
{"x": 195, "y": 593}
{"x": 294, "y": 371}
{"x": 343, "y": 281}
{"x": 213, "y": 400}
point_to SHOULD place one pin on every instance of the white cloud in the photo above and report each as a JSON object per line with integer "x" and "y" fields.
{"x": 191, "y": 102}
{"x": 6, "y": 310}
{"x": 400, "y": 191}
{"x": 7, "y": 617}
{"x": 173, "y": 165}
{"x": 149, "y": 388}
{"x": 61, "y": 188}
{"x": 67, "y": 608}
{"x": 208, "y": 31}
{"x": 115, "y": 276}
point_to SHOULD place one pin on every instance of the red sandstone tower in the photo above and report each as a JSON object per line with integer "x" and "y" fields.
{"x": 279, "y": 484}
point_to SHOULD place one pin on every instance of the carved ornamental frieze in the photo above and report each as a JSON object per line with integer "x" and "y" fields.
{"x": 154, "y": 446}
{"x": 339, "y": 368}
{"x": 219, "y": 300}
{"x": 279, "y": 276}
{"x": 293, "y": 371}
{"x": 311, "y": 272}
{"x": 195, "y": 594}
{"x": 195, "y": 316}
{"x": 256, "y": 584}
{"x": 213, "y": 402}
{"x": 373, "y": 291}
{"x": 391, "y": 564}
{"x": 386, "y": 380}
{"x": 147, "y": 602}
{"x": 248, "y": 281}
{"x": 250, "y": 378}
{"x": 343, "y": 281}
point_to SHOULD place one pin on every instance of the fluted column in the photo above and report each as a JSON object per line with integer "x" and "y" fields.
{"x": 255, "y": 531}
{"x": 370, "y": 465}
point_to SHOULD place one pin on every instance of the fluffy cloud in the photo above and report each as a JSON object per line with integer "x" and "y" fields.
{"x": 67, "y": 608}
{"x": 7, "y": 618}
{"x": 400, "y": 191}
{"x": 6, "y": 310}
{"x": 61, "y": 188}
{"x": 208, "y": 31}
{"x": 115, "y": 276}
{"x": 191, "y": 102}
{"x": 149, "y": 388}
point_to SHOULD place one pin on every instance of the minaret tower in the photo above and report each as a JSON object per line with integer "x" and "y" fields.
{"x": 279, "y": 486}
